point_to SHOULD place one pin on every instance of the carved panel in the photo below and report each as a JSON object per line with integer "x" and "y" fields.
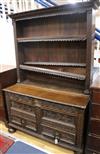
{"x": 62, "y": 137}
{"x": 20, "y": 98}
{"x": 63, "y": 127}
{"x": 31, "y": 125}
{"x": 21, "y": 111}
{"x": 23, "y": 123}
{"x": 20, "y": 114}
{"x": 15, "y": 119}
{"x": 60, "y": 117}
{"x": 68, "y": 138}
{"x": 23, "y": 107}
{"x": 60, "y": 108}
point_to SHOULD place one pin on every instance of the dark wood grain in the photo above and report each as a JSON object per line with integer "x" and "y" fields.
{"x": 95, "y": 111}
{"x": 65, "y": 97}
{"x": 54, "y": 53}
{"x": 94, "y": 143}
{"x": 96, "y": 96}
{"x": 38, "y": 110}
{"x": 95, "y": 127}
{"x": 62, "y": 38}
{"x": 93, "y": 140}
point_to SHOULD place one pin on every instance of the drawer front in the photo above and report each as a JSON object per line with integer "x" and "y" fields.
{"x": 23, "y": 118}
{"x": 95, "y": 127}
{"x": 24, "y": 123}
{"x": 59, "y": 108}
{"x": 56, "y": 136}
{"x": 96, "y": 96}
{"x": 94, "y": 143}
{"x": 21, "y": 102}
{"x": 96, "y": 111}
{"x": 21, "y": 113}
{"x": 21, "y": 99}
{"x": 59, "y": 121}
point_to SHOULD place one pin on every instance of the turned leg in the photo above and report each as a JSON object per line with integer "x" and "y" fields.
{"x": 11, "y": 130}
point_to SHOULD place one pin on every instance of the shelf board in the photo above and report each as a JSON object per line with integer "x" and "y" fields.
{"x": 45, "y": 39}
{"x": 55, "y": 64}
{"x": 53, "y": 72}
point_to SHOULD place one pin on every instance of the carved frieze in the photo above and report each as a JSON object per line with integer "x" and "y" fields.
{"x": 60, "y": 108}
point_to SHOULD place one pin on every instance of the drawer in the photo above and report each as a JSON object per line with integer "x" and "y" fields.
{"x": 23, "y": 119}
{"x": 56, "y": 136}
{"x": 21, "y": 113}
{"x": 22, "y": 122}
{"x": 60, "y": 117}
{"x": 21, "y": 102}
{"x": 95, "y": 111}
{"x": 96, "y": 96}
{"x": 22, "y": 107}
{"x": 17, "y": 99}
{"x": 59, "y": 108}
{"x": 60, "y": 126}
{"x": 59, "y": 121}
{"x": 95, "y": 127}
{"x": 94, "y": 143}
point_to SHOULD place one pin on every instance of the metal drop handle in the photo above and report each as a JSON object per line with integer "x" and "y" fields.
{"x": 56, "y": 140}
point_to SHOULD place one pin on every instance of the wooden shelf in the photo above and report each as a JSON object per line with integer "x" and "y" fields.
{"x": 45, "y": 39}
{"x": 55, "y": 64}
{"x": 53, "y": 72}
